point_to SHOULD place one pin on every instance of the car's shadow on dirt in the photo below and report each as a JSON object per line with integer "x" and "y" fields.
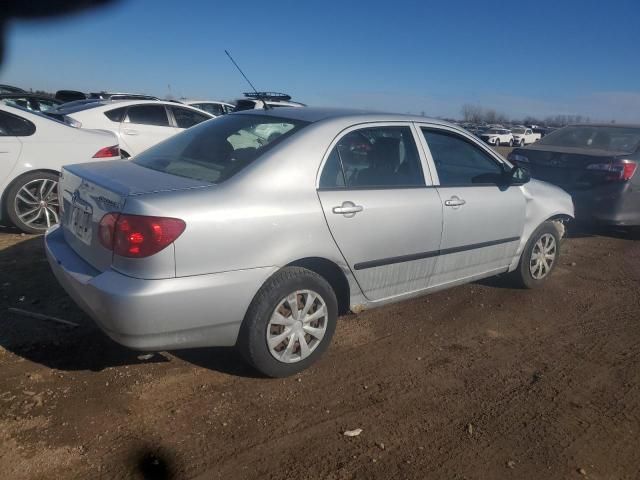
{"x": 27, "y": 284}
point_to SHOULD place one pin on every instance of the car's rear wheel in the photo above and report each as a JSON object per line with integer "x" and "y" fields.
{"x": 289, "y": 323}
{"x": 539, "y": 257}
{"x": 32, "y": 202}
{"x": 511, "y": 143}
{"x": 497, "y": 142}
{"x": 522, "y": 142}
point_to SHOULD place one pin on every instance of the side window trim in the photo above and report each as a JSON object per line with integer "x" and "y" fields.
{"x": 462, "y": 135}
{"x": 359, "y": 126}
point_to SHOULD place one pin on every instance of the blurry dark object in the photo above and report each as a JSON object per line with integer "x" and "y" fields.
{"x": 69, "y": 95}
{"x": 20, "y": 9}
{"x": 10, "y": 89}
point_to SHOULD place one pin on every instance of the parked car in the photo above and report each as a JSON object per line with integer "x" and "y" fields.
{"x": 33, "y": 149}
{"x": 257, "y": 100}
{"x": 524, "y": 136}
{"x": 211, "y": 106}
{"x": 596, "y": 164}
{"x": 139, "y": 124}
{"x": 497, "y": 137}
{"x": 218, "y": 237}
{"x": 7, "y": 89}
{"x": 30, "y": 101}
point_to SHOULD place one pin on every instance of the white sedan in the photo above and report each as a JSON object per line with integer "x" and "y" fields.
{"x": 139, "y": 124}
{"x": 33, "y": 149}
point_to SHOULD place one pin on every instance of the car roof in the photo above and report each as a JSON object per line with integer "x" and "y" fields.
{"x": 610, "y": 125}
{"x": 316, "y": 114}
{"x": 124, "y": 103}
{"x": 189, "y": 102}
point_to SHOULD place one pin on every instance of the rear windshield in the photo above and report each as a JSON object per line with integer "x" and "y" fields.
{"x": 517, "y": 130}
{"x": 615, "y": 139}
{"x": 217, "y": 149}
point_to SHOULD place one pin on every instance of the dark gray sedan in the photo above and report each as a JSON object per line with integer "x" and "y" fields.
{"x": 596, "y": 164}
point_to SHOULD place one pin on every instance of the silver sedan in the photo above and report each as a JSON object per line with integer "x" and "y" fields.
{"x": 258, "y": 229}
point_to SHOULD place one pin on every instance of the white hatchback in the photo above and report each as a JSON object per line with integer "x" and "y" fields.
{"x": 139, "y": 124}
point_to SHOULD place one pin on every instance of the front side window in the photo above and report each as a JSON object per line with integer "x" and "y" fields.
{"x": 186, "y": 118}
{"x": 15, "y": 126}
{"x": 459, "y": 162}
{"x": 215, "y": 151}
{"x": 212, "y": 108}
{"x": 148, "y": 115}
{"x": 374, "y": 157}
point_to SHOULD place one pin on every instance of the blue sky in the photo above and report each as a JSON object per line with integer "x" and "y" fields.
{"x": 540, "y": 57}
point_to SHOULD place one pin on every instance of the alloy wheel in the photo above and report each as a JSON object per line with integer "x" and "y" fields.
{"x": 297, "y": 326}
{"x": 543, "y": 256}
{"x": 36, "y": 203}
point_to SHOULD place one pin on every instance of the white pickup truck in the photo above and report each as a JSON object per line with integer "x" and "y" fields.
{"x": 524, "y": 136}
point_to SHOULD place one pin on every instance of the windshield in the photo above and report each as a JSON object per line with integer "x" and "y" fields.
{"x": 216, "y": 150}
{"x": 517, "y": 130}
{"x": 616, "y": 139}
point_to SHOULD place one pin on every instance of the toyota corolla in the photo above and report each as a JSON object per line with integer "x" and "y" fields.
{"x": 259, "y": 228}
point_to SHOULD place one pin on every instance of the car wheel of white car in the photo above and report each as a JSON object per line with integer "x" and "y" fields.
{"x": 511, "y": 143}
{"x": 289, "y": 323}
{"x": 32, "y": 202}
{"x": 539, "y": 257}
{"x": 522, "y": 142}
{"x": 497, "y": 142}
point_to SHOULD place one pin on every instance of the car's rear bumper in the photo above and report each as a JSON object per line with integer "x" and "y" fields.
{"x": 172, "y": 313}
{"x": 611, "y": 204}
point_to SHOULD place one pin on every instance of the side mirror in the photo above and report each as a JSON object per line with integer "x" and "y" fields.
{"x": 520, "y": 176}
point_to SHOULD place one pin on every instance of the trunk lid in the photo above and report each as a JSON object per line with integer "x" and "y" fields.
{"x": 566, "y": 167}
{"x": 91, "y": 190}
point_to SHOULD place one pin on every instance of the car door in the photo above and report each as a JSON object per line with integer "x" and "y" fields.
{"x": 381, "y": 210}
{"x": 11, "y": 126}
{"x": 143, "y": 126}
{"x": 483, "y": 216}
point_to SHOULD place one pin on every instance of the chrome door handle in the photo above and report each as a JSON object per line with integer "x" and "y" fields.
{"x": 348, "y": 209}
{"x": 454, "y": 202}
{"x": 131, "y": 132}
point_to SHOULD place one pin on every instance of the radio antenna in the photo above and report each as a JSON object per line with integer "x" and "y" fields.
{"x": 264, "y": 102}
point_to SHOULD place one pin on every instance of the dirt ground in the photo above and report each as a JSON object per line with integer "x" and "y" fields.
{"x": 481, "y": 381}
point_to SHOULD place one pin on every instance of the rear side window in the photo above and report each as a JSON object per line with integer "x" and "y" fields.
{"x": 116, "y": 115}
{"x": 186, "y": 118}
{"x": 215, "y": 151}
{"x": 459, "y": 162}
{"x": 148, "y": 115}
{"x": 372, "y": 158}
{"x": 15, "y": 126}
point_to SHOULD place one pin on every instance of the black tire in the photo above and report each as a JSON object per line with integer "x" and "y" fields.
{"x": 511, "y": 143}
{"x": 497, "y": 142}
{"x": 522, "y": 142}
{"x": 522, "y": 276}
{"x": 252, "y": 339}
{"x": 15, "y": 206}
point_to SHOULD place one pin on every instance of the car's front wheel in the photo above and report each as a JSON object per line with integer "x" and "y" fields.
{"x": 539, "y": 257}
{"x": 522, "y": 142}
{"x": 511, "y": 143}
{"x": 289, "y": 323}
{"x": 32, "y": 202}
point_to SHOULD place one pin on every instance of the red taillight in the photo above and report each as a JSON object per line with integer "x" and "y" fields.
{"x": 138, "y": 236}
{"x": 108, "y": 152}
{"x": 617, "y": 171}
